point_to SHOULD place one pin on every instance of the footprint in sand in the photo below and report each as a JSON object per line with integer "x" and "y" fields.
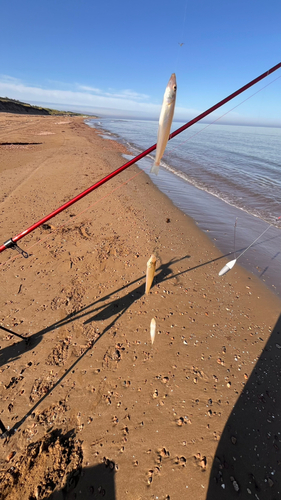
{"x": 200, "y": 461}
{"x": 161, "y": 454}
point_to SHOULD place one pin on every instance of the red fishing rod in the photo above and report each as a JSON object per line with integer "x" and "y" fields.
{"x": 11, "y": 243}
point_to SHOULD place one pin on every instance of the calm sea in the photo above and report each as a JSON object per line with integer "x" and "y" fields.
{"x": 221, "y": 176}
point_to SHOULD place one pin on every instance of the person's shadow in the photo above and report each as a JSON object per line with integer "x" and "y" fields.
{"x": 91, "y": 482}
{"x": 51, "y": 469}
{"x": 247, "y": 462}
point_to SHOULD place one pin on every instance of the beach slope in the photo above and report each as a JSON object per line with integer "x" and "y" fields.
{"x": 94, "y": 410}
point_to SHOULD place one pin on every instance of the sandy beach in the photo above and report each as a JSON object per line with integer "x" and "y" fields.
{"x": 93, "y": 409}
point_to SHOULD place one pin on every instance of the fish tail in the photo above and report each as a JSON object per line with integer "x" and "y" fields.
{"x": 155, "y": 169}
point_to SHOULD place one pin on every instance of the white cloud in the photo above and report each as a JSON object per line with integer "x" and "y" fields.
{"x": 9, "y": 79}
{"x": 91, "y": 99}
{"x": 89, "y": 89}
{"x": 124, "y": 94}
{"x": 81, "y": 95}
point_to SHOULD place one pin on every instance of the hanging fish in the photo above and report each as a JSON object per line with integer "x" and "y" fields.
{"x": 232, "y": 263}
{"x": 152, "y": 330}
{"x": 165, "y": 121}
{"x": 227, "y": 267}
{"x": 150, "y": 271}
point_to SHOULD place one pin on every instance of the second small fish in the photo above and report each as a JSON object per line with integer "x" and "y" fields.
{"x": 150, "y": 271}
{"x": 152, "y": 330}
{"x": 165, "y": 121}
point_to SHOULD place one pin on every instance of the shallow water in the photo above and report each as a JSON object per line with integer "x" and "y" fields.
{"x": 217, "y": 175}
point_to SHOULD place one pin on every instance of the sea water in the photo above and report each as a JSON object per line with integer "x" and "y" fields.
{"x": 222, "y": 176}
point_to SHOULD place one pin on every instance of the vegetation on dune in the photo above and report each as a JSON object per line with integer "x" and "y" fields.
{"x": 8, "y": 105}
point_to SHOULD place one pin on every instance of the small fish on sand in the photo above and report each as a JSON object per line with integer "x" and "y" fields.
{"x": 152, "y": 329}
{"x": 150, "y": 271}
{"x": 165, "y": 121}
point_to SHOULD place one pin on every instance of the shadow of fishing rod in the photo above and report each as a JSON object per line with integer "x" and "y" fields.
{"x": 73, "y": 316}
{"x": 267, "y": 267}
{"x": 35, "y": 338}
{"x": 122, "y": 304}
{"x": 160, "y": 277}
{"x": 164, "y": 273}
{"x": 109, "y": 310}
{"x": 117, "y": 307}
{"x": 103, "y": 311}
{"x": 18, "y": 424}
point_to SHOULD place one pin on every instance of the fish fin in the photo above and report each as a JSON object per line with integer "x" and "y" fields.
{"x": 154, "y": 169}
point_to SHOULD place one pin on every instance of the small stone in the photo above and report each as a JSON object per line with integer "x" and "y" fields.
{"x": 235, "y": 485}
{"x": 10, "y": 456}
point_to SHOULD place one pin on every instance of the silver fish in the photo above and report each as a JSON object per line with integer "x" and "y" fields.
{"x": 150, "y": 271}
{"x": 165, "y": 121}
{"x": 152, "y": 330}
{"x": 227, "y": 267}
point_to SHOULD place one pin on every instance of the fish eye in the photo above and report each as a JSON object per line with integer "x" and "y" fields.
{"x": 175, "y": 87}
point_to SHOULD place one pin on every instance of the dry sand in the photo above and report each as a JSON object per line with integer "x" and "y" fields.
{"x": 98, "y": 411}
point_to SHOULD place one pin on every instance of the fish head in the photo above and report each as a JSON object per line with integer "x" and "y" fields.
{"x": 171, "y": 89}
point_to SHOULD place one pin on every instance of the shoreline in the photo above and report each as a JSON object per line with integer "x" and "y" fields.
{"x": 90, "y": 384}
{"x": 206, "y": 209}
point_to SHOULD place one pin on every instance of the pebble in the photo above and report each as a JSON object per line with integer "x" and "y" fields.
{"x": 235, "y": 485}
{"x": 10, "y": 456}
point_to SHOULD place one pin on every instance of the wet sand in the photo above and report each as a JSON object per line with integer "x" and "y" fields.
{"x": 98, "y": 411}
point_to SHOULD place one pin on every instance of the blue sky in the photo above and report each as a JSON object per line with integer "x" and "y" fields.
{"x": 114, "y": 55}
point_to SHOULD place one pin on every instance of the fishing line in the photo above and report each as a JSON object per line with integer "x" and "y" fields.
{"x": 229, "y": 265}
{"x": 234, "y": 238}
{"x": 181, "y": 43}
{"x": 242, "y": 253}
